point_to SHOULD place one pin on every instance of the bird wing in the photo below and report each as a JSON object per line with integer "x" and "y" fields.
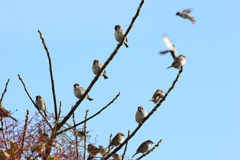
{"x": 187, "y": 10}
{"x": 170, "y": 46}
{"x": 174, "y": 53}
{"x": 167, "y": 42}
{"x": 140, "y": 147}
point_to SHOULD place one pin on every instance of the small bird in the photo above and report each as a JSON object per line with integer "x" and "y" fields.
{"x": 79, "y": 91}
{"x": 170, "y": 46}
{"x": 157, "y": 96}
{"x": 93, "y": 150}
{"x": 178, "y": 62}
{"x": 96, "y": 67}
{"x": 103, "y": 150}
{"x": 116, "y": 156}
{"x": 140, "y": 114}
{"x": 5, "y": 113}
{"x": 41, "y": 104}
{"x": 144, "y": 147}
{"x": 119, "y": 33}
{"x": 81, "y": 134}
{"x": 117, "y": 140}
{"x": 184, "y": 14}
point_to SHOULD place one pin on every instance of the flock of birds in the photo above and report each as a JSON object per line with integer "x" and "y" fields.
{"x": 141, "y": 113}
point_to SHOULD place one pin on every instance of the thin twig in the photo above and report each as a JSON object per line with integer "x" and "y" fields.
{"x": 25, "y": 130}
{"x": 91, "y": 116}
{"x": 110, "y": 140}
{"x": 5, "y": 90}
{"x": 51, "y": 74}
{"x": 76, "y": 138}
{"x": 125, "y": 149}
{"x": 60, "y": 109}
{"x": 19, "y": 77}
{"x": 2, "y": 130}
{"x": 153, "y": 110}
{"x": 85, "y": 137}
{"x": 151, "y": 150}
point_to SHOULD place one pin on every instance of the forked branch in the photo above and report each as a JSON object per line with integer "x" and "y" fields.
{"x": 51, "y": 75}
{"x": 148, "y": 116}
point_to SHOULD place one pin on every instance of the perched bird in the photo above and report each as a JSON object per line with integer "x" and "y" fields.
{"x": 81, "y": 134}
{"x": 103, "y": 150}
{"x": 157, "y": 96}
{"x": 119, "y": 33}
{"x": 41, "y": 104}
{"x": 117, "y": 140}
{"x": 116, "y": 156}
{"x": 96, "y": 67}
{"x": 140, "y": 114}
{"x": 144, "y": 147}
{"x": 184, "y": 14}
{"x": 79, "y": 91}
{"x": 178, "y": 62}
{"x": 93, "y": 150}
{"x": 5, "y": 113}
{"x": 170, "y": 46}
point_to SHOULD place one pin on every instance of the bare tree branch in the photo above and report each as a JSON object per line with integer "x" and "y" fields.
{"x": 153, "y": 110}
{"x": 51, "y": 74}
{"x": 76, "y": 138}
{"x": 103, "y": 67}
{"x": 19, "y": 77}
{"x": 91, "y": 116}
{"x": 125, "y": 149}
{"x": 2, "y": 130}
{"x": 85, "y": 137}
{"x": 59, "y": 111}
{"x": 25, "y": 129}
{"x": 59, "y": 125}
{"x": 151, "y": 150}
{"x": 5, "y": 90}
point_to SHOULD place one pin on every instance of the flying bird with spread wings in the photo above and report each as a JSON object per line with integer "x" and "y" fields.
{"x": 185, "y": 14}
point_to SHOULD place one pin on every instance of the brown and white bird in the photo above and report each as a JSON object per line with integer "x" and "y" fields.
{"x": 140, "y": 114}
{"x": 144, "y": 147}
{"x": 157, "y": 96}
{"x": 79, "y": 91}
{"x": 93, "y": 150}
{"x": 170, "y": 46}
{"x": 117, "y": 140}
{"x": 119, "y": 33}
{"x": 184, "y": 14}
{"x": 41, "y": 104}
{"x": 5, "y": 113}
{"x": 103, "y": 150}
{"x": 116, "y": 156}
{"x": 178, "y": 62}
{"x": 96, "y": 67}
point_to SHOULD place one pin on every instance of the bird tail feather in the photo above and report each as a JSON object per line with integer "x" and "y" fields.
{"x": 192, "y": 20}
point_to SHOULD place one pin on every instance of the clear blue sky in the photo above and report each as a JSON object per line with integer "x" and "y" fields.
{"x": 199, "y": 119}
